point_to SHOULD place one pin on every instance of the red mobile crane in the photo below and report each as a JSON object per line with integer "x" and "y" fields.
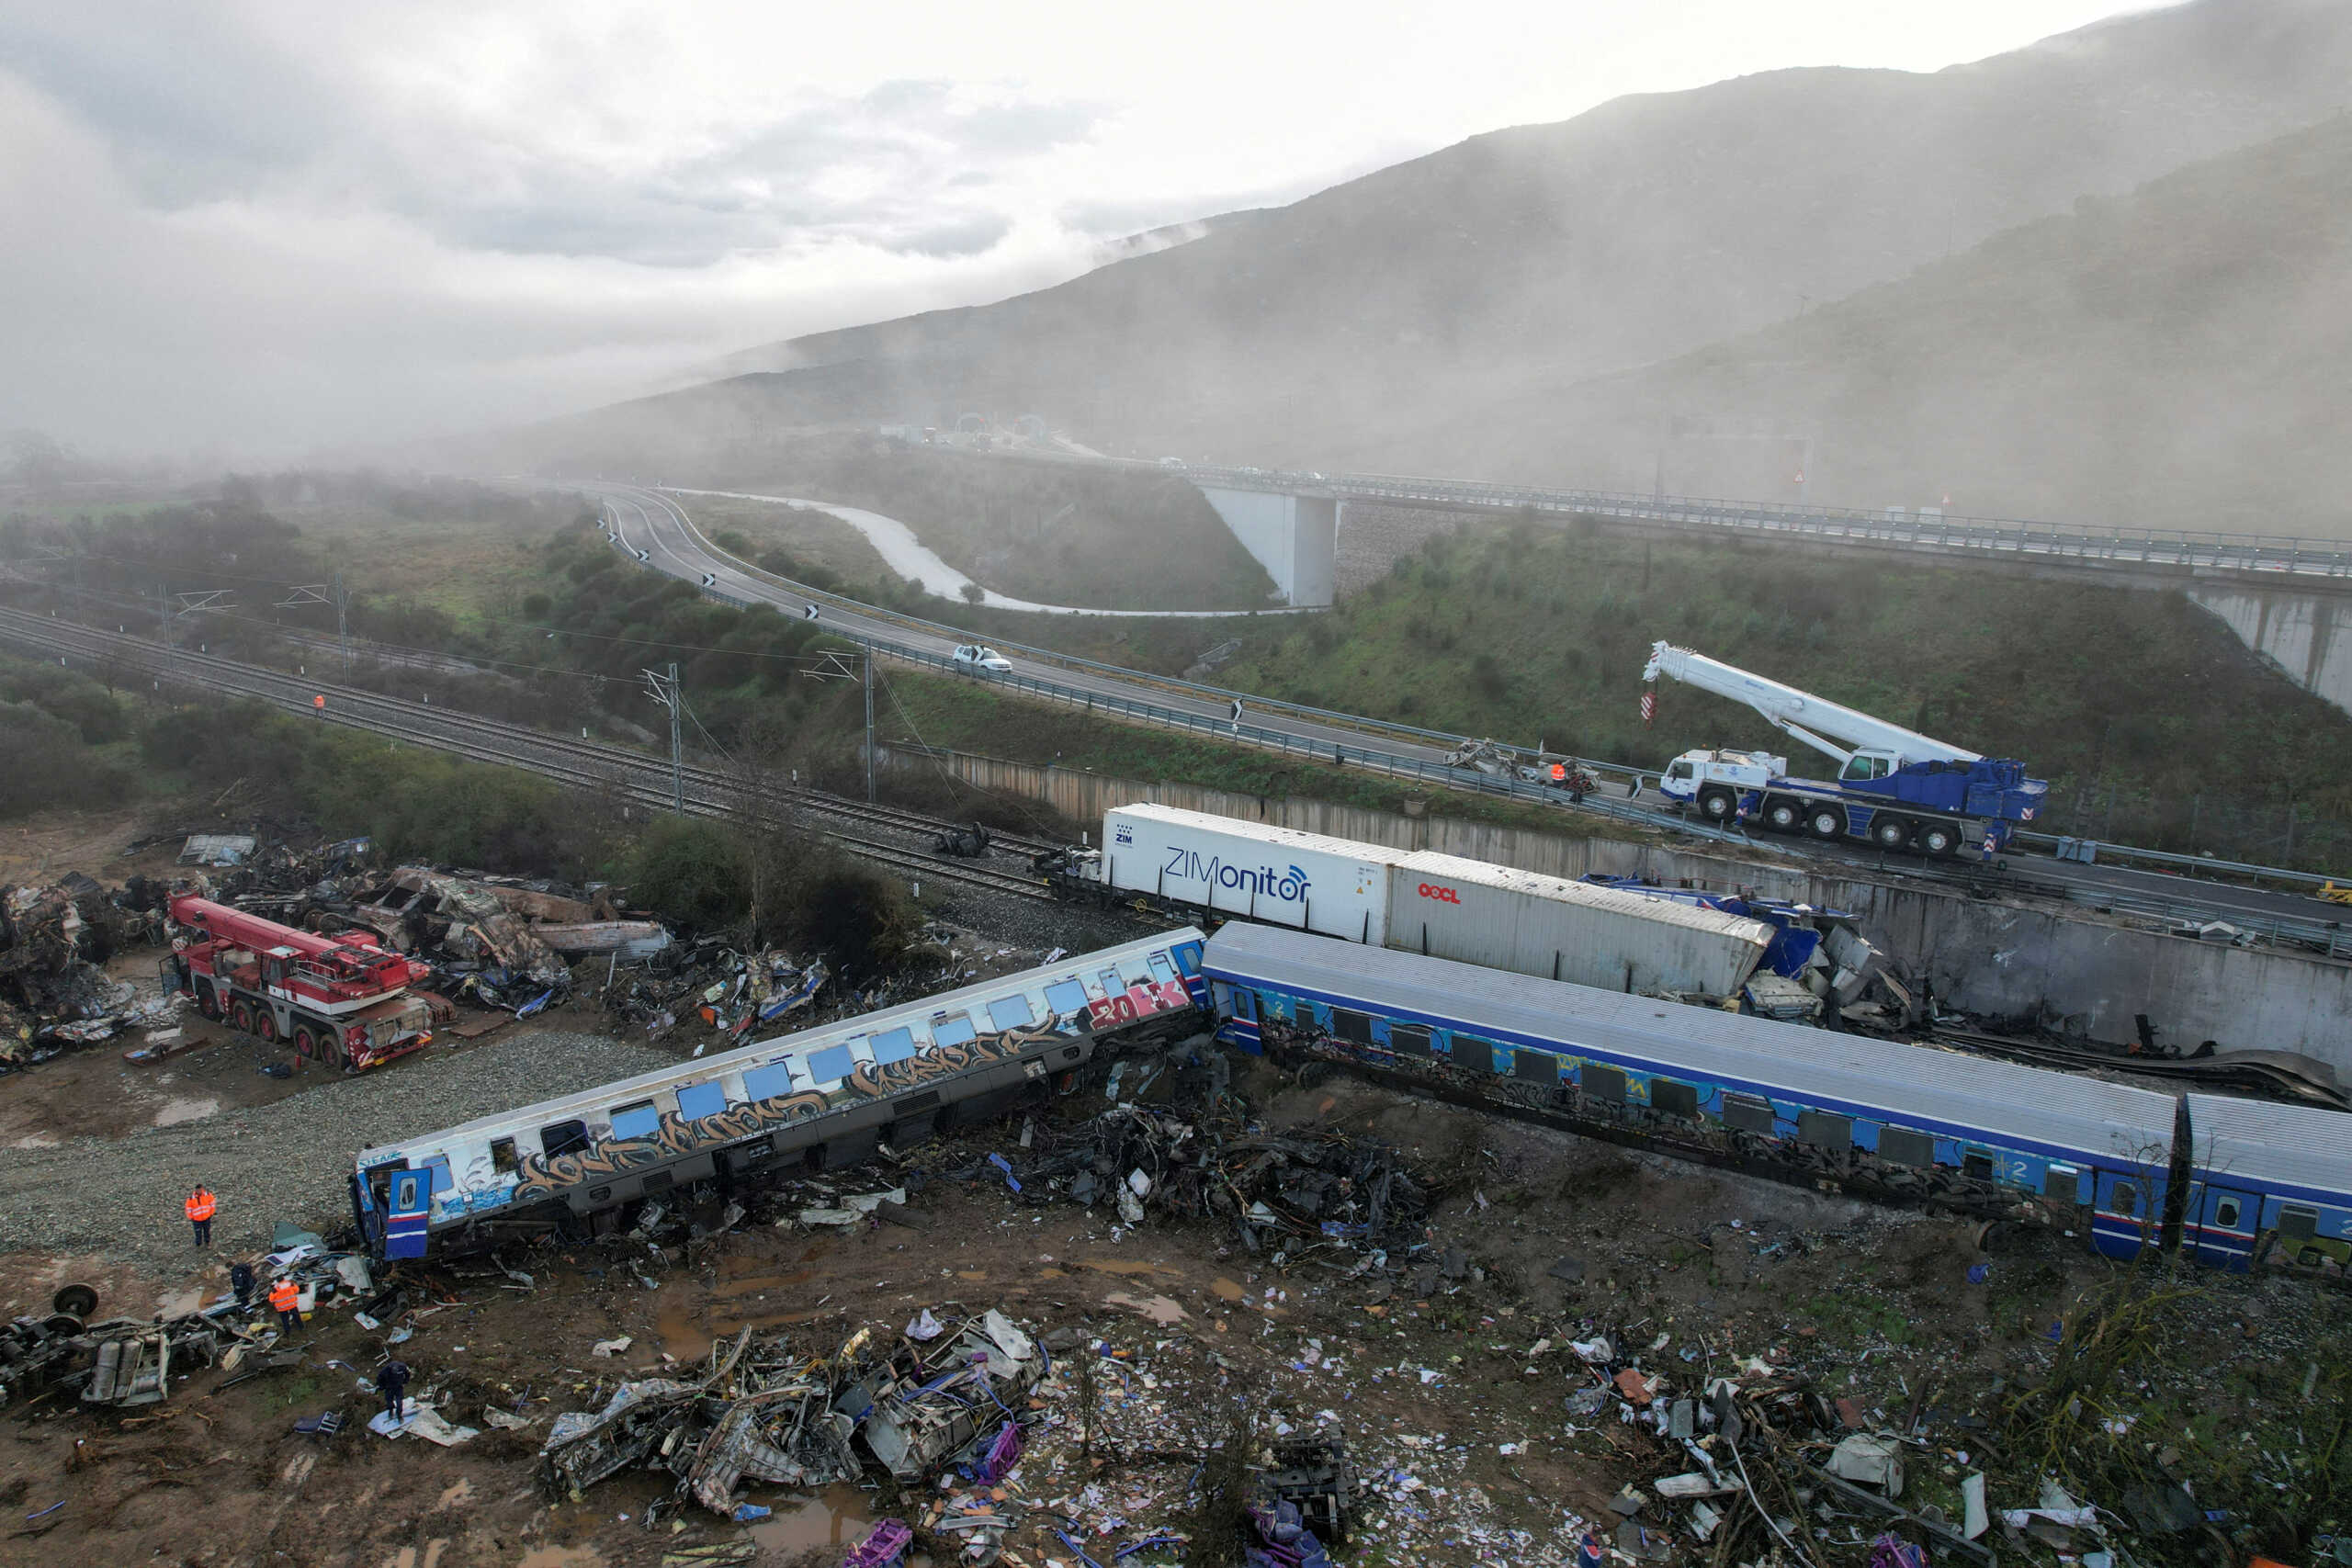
{"x": 339, "y": 999}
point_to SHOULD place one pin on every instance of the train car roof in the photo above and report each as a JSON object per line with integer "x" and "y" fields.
{"x": 704, "y": 1068}
{"x": 1910, "y": 1085}
{"x": 2277, "y": 1146}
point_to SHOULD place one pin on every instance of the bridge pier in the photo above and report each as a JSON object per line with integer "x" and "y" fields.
{"x": 1294, "y": 536}
{"x": 2308, "y": 635}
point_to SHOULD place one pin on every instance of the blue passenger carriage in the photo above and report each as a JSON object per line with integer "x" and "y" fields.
{"x": 823, "y": 1098}
{"x": 1873, "y": 1115}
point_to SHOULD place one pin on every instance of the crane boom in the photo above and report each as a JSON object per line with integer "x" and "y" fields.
{"x": 1818, "y": 722}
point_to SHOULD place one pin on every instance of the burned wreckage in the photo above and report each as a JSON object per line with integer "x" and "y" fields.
{"x": 951, "y": 1397}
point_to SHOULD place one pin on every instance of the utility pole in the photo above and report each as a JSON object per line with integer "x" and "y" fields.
{"x": 869, "y": 724}
{"x": 342, "y": 622}
{"x": 663, "y": 689}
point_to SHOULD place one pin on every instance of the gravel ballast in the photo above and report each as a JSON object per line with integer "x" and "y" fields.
{"x": 287, "y": 1160}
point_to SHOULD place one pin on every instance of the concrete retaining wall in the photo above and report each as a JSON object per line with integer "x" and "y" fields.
{"x": 1991, "y": 958}
{"x": 2307, "y": 635}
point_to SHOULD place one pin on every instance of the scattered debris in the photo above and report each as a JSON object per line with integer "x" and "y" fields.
{"x": 761, "y": 1413}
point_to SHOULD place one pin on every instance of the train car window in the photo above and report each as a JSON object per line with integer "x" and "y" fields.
{"x": 1188, "y": 958}
{"x": 1161, "y": 970}
{"x": 771, "y": 1082}
{"x": 1536, "y": 1066}
{"x": 637, "y": 1120}
{"x": 956, "y": 1029}
{"x": 563, "y": 1137}
{"x": 1351, "y": 1026}
{"x": 1904, "y": 1146}
{"x": 1112, "y": 986}
{"x": 2127, "y": 1198}
{"x": 655, "y": 1181}
{"x": 2225, "y": 1213}
{"x": 1825, "y": 1130}
{"x": 700, "y": 1100}
{"x": 1472, "y": 1055}
{"x": 2298, "y": 1223}
{"x": 893, "y": 1045}
{"x": 1748, "y": 1113}
{"x": 1011, "y": 1012}
{"x": 1067, "y": 998}
{"x": 1668, "y": 1098}
{"x": 1603, "y": 1083}
{"x": 1408, "y": 1040}
{"x": 832, "y": 1062}
{"x": 442, "y": 1180}
{"x": 502, "y": 1155}
{"x": 1975, "y": 1164}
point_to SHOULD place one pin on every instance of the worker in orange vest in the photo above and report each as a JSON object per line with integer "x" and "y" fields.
{"x": 198, "y": 1207}
{"x": 285, "y": 1301}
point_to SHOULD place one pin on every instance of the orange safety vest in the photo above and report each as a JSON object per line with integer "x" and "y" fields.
{"x": 200, "y": 1204}
{"x": 283, "y": 1296}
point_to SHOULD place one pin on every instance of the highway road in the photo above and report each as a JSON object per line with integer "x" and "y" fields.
{"x": 660, "y": 527}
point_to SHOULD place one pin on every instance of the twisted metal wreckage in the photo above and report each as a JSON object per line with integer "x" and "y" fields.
{"x": 761, "y": 1413}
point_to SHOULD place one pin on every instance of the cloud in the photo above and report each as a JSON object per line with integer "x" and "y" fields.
{"x": 269, "y": 224}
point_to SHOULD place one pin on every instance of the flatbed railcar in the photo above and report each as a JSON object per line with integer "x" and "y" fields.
{"x": 1874, "y": 1118}
{"x": 822, "y": 1099}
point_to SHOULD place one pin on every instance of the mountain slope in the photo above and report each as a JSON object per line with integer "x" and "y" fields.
{"x": 2175, "y": 358}
{"x": 1644, "y": 228}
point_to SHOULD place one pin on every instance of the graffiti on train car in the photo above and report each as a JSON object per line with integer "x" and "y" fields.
{"x": 544, "y": 1176}
{"x": 675, "y": 1137}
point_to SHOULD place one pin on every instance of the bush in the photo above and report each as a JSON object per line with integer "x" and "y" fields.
{"x": 62, "y": 694}
{"x": 47, "y": 765}
{"x": 687, "y": 872}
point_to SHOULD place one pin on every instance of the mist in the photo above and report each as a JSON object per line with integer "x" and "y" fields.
{"x": 251, "y": 233}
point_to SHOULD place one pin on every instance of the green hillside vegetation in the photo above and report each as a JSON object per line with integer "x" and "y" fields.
{"x": 2173, "y": 357}
{"x": 2152, "y": 723}
{"x": 1054, "y": 534}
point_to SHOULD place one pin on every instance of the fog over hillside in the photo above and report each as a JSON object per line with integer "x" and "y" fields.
{"x": 2175, "y": 357}
{"x": 1394, "y": 318}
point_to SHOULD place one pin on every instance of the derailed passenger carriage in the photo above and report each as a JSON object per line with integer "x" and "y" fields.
{"x": 822, "y": 1099}
{"x": 1873, "y": 1117}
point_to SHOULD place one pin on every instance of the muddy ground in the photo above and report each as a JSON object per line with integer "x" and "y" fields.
{"x": 1451, "y": 1383}
{"x": 1448, "y": 1403}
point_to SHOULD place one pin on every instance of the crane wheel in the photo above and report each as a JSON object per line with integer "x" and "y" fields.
{"x": 266, "y": 1024}
{"x": 1937, "y": 839}
{"x": 306, "y": 1044}
{"x": 242, "y": 1016}
{"x": 1716, "y": 805}
{"x": 1783, "y": 816}
{"x": 1826, "y": 822}
{"x": 207, "y": 1002}
{"x": 1891, "y": 832}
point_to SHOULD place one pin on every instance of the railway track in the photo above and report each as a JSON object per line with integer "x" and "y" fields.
{"x": 584, "y": 764}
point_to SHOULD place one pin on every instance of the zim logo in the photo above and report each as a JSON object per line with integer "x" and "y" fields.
{"x": 1442, "y": 894}
{"x": 1126, "y": 835}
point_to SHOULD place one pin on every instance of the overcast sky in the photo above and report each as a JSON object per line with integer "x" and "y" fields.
{"x": 260, "y": 228}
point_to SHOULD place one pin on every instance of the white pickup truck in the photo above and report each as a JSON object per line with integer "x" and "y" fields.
{"x": 980, "y": 659}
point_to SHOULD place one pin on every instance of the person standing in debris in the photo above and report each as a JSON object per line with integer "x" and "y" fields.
{"x": 285, "y": 1301}
{"x": 241, "y": 1281}
{"x": 199, "y": 1208}
{"x": 393, "y": 1381}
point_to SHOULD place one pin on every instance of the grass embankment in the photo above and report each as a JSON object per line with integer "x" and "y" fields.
{"x": 2154, "y": 725}
{"x": 1052, "y": 533}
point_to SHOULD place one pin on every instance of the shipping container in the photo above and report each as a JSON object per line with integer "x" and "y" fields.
{"x": 1501, "y": 918}
{"x": 1420, "y": 901}
{"x": 1277, "y": 875}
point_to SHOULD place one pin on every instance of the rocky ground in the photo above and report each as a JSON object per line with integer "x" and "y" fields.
{"x": 1451, "y": 1374}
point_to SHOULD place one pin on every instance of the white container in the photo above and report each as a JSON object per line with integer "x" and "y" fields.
{"x": 1500, "y": 918}
{"x": 1277, "y": 875}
